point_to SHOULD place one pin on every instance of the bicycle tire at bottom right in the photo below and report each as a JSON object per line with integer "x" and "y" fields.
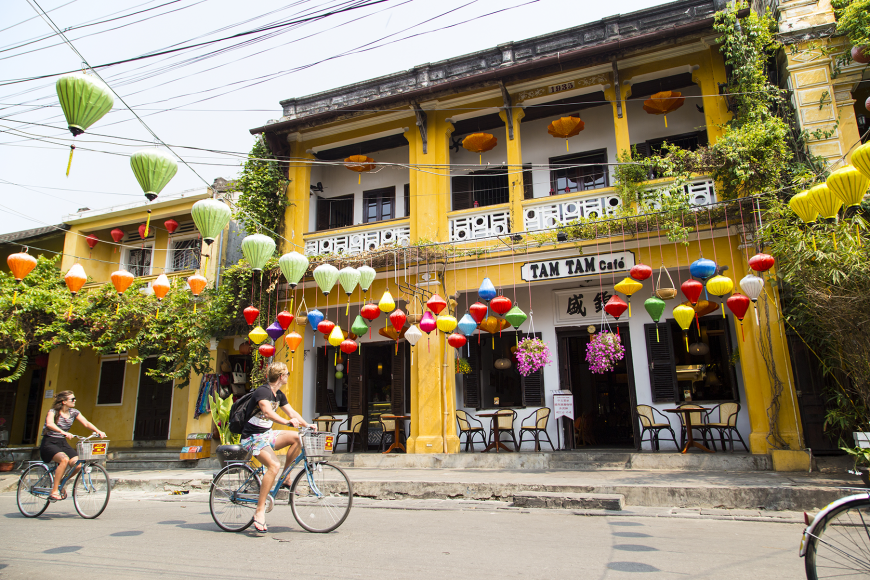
{"x": 324, "y": 506}
{"x": 841, "y": 546}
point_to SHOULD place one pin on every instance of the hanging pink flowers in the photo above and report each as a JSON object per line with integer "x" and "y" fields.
{"x": 533, "y": 354}
{"x": 602, "y": 352}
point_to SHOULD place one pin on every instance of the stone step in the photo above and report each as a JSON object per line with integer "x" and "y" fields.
{"x": 160, "y": 464}
{"x": 563, "y": 500}
{"x": 144, "y": 454}
{"x": 592, "y": 465}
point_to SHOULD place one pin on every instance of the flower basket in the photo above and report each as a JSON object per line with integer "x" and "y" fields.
{"x": 533, "y": 354}
{"x": 463, "y": 367}
{"x": 603, "y": 352}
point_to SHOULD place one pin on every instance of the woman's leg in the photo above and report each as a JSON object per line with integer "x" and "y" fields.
{"x": 270, "y": 461}
{"x": 76, "y": 468}
{"x": 291, "y": 439}
{"x": 62, "y": 460}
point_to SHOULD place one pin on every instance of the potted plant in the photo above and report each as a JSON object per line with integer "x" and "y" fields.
{"x": 229, "y": 449}
{"x": 463, "y": 367}
{"x": 862, "y": 462}
{"x": 603, "y": 351}
{"x": 533, "y": 354}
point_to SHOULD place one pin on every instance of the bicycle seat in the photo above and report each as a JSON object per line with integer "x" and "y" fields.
{"x": 231, "y": 452}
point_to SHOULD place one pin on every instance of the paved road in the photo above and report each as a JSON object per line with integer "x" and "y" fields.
{"x": 149, "y": 535}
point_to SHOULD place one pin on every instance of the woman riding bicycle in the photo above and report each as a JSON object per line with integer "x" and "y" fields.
{"x": 259, "y": 439}
{"x": 54, "y": 446}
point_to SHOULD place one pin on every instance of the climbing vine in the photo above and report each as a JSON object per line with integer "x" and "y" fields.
{"x": 262, "y": 190}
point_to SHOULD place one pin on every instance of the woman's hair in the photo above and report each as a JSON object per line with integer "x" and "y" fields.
{"x": 275, "y": 371}
{"x": 59, "y": 399}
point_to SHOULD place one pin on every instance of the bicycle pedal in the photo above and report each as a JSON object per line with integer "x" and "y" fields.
{"x": 270, "y": 503}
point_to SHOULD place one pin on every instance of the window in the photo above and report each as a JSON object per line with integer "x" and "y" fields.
{"x": 379, "y": 204}
{"x": 407, "y": 200}
{"x": 138, "y": 261}
{"x": 111, "y": 386}
{"x": 582, "y": 172}
{"x": 334, "y": 212}
{"x": 480, "y": 188}
{"x": 690, "y": 141}
{"x": 184, "y": 254}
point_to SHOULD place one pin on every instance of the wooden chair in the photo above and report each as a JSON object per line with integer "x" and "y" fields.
{"x": 583, "y": 431}
{"x": 354, "y": 424}
{"x": 326, "y": 422}
{"x": 536, "y": 429}
{"x": 469, "y": 430}
{"x": 649, "y": 422}
{"x": 388, "y": 429}
{"x": 727, "y": 424}
{"x": 699, "y": 423}
{"x": 506, "y": 418}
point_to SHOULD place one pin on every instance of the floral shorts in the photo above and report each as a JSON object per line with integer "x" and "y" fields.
{"x": 258, "y": 441}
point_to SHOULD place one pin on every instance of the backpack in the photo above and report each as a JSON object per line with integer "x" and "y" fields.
{"x": 240, "y": 413}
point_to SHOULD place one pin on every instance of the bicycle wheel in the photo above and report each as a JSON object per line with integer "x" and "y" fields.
{"x": 91, "y": 491}
{"x": 233, "y": 497}
{"x": 34, "y": 486}
{"x": 321, "y": 503}
{"x": 841, "y": 545}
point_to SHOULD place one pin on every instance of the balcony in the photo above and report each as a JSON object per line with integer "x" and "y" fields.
{"x": 358, "y": 239}
{"x": 479, "y": 223}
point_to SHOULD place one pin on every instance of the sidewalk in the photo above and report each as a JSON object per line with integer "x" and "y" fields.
{"x": 769, "y": 491}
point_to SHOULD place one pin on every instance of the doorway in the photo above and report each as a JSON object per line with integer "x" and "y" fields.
{"x": 603, "y": 403}
{"x": 153, "y": 406}
{"x": 377, "y": 385}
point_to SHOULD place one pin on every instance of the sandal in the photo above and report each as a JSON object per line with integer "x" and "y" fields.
{"x": 260, "y": 527}
{"x": 63, "y": 494}
{"x": 53, "y": 497}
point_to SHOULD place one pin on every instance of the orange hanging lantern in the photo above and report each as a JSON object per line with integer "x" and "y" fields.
{"x": 663, "y": 103}
{"x": 75, "y": 279}
{"x": 121, "y": 280}
{"x": 292, "y": 340}
{"x": 359, "y": 163}
{"x": 160, "y": 286}
{"x": 479, "y": 142}
{"x": 565, "y": 128}
{"x": 197, "y": 285}
{"x": 20, "y": 264}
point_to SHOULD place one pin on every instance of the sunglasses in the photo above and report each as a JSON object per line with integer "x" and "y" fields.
{"x": 73, "y": 400}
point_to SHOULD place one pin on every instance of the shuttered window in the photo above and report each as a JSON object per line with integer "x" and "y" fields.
{"x": 397, "y": 385}
{"x": 662, "y": 365}
{"x": 334, "y": 212}
{"x": 481, "y": 188}
{"x": 111, "y": 388}
{"x": 321, "y": 405}
{"x": 472, "y": 380}
{"x": 407, "y": 199}
{"x": 528, "y": 188}
{"x": 379, "y": 204}
{"x": 533, "y": 386}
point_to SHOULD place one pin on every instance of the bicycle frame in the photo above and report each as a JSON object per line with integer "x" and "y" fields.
{"x": 279, "y": 481}
{"x": 71, "y": 472}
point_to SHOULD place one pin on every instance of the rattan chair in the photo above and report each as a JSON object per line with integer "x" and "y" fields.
{"x": 650, "y": 422}
{"x": 326, "y": 422}
{"x": 536, "y": 429}
{"x": 727, "y": 424}
{"x": 466, "y": 428}
{"x": 388, "y": 429}
{"x": 699, "y": 423}
{"x": 506, "y": 418}
{"x": 354, "y": 424}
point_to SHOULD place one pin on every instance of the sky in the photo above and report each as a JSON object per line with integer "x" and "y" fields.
{"x": 207, "y": 98}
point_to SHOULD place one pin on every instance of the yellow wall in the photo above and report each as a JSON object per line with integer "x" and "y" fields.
{"x": 48, "y": 247}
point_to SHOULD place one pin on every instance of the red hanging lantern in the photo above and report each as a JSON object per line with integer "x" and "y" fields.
{"x": 640, "y": 272}
{"x": 143, "y": 231}
{"x": 171, "y": 225}
{"x": 92, "y": 240}
{"x": 692, "y": 290}
{"x": 370, "y": 311}
{"x": 117, "y": 235}
{"x": 348, "y": 346}
{"x": 325, "y": 327}
{"x": 739, "y": 304}
{"x": 615, "y": 307}
{"x": 761, "y": 262}
{"x": 267, "y": 350}
{"x": 436, "y": 304}
{"x": 398, "y": 319}
{"x": 456, "y": 340}
{"x": 478, "y": 311}
{"x": 501, "y": 305}
{"x": 250, "y": 313}
{"x": 285, "y": 319}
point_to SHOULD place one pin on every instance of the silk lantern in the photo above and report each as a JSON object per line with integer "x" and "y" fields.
{"x": 257, "y": 335}
{"x": 75, "y": 278}
{"x": 20, "y": 264}
{"x": 325, "y": 275}
{"x": 702, "y": 268}
{"x": 803, "y": 206}
{"x": 413, "y": 336}
{"x": 326, "y": 327}
{"x": 366, "y": 277}
{"x": 285, "y": 319}
{"x": 153, "y": 169}
{"x": 292, "y": 340}
{"x": 360, "y": 164}
{"x": 197, "y": 284}
{"x": 92, "y": 240}
{"x": 478, "y": 311}
{"x": 655, "y": 307}
{"x": 359, "y": 326}
{"x": 266, "y": 350}
{"x": 348, "y": 278}
{"x": 615, "y": 307}
{"x": 861, "y": 159}
{"x": 478, "y": 143}
{"x": 720, "y": 286}
{"x": 849, "y": 185}
{"x": 160, "y": 286}
{"x": 761, "y": 262}
{"x": 250, "y": 313}
{"x": 85, "y": 100}
{"x": 516, "y": 317}
{"x": 663, "y": 103}
{"x": 336, "y": 337}
{"x": 692, "y": 290}
{"x": 445, "y": 323}
{"x": 436, "y": 304}
{"x": 752, "y": 286}
{"x": 492, "y": 324}
{"x": 387, "y": 304}
{"x": 702, "y": 308}
{"x": 274, "y": 330}
{"x": 684, "y": 316}
{"x": 456, "y": 340}
{"x": 739, "y": 304}
{"x": 500, "y": 305}
{"x": 293, "y": 265}
{"x": 143, "y": 231}
{"x": 640, "y": 272}
{"x": 171, "y": 225}
{"x": 397, "y": 319}
{"x": 117, "y": 235}
{"x": 825, "y": 201}
{"x": 257, "y": 250}
{"x": 565, "y": 128}
{"x": 467, "y": 325}
{"x": 210, "y": 217}
{"x": 121, "y": 280}
{"x": 348, "y": 346}
{"x": 314, "y": 318}
{"x": 245, "y": 348}
{"x": 486, "y": 290}
{"x": 628, "y": 286}
{"x": 428, "y": 324}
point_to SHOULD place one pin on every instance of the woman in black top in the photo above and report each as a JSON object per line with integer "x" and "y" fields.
{"x": 259, "y": 438}
{"x": 54, "y": 446}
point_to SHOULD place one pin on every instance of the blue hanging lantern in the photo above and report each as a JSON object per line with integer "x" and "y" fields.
{"x": 315, "y": 317}
{"x": 486, "y": 290}
{"x": 702, "y": 268}
{"x": 275, "y": 330}
{"x": 467, "y": 325}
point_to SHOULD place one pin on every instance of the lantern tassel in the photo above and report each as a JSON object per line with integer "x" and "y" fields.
{"x": 834, "y": 236}
{"x": 147, "y": 223}
{"x": 742, "y": 333}
{"x": 686, "y": 338}
{"x": 723, "y": 309}
{"x": 292, "y": 358}
{"x": 157, "y": 314}
{"x": 566, "y": 145}
{"x": 480, "y": 159}
{"x": 858, "y": 234}
{"x": 358, "y": 178}
{"x": 69, "y": 163}
{"x": 657, "y": 333}
{"x": 629, "y": 306}
{"x": 14, "y": 297}
{"x": 347, "y": 310}
{"x": 666, "y": 121}
{"x": 118, "y": 308}
{"x": 194, "y": 307}
{"x": 69, "y": 313}
{"x": 697, "y": 323}
{"x": 757, "y": 323}
{"x": 814, "y": 243}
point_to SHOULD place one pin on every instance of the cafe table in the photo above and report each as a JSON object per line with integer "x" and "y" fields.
{"x": 686, "y": 412}
{"x": 496, "y": 443}
{"x": 398, "y": 419}
{"x": 325, "y": 423}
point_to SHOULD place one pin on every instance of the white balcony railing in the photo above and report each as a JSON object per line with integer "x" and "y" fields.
{"x": 357, "y": 242}
{"x": 700, "y": 192}
{"x": 480, "y": 224}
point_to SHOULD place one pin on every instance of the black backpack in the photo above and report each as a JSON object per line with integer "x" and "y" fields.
{"x": 240, "y": 413}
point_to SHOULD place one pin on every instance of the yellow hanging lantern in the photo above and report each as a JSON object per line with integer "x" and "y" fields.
{"x": 683, "y": 315}
{"x": 565, "y": 128}
{"x": 387, "y": 304}
{"x": 849, "y": 185}
{"x": 720, "y": 286}
{"x": 336, "y": 337}
{"x": 628, "y": 286}
{"x": 480, "y": 142}
{"x": 445, "y": 323}
{"x": 861, "y": 159}
{"x": 359, "y": 163}
{"x": 827, "y": 203}
{"x": 258, "y": 335}
{"x": 803, "y": 206}
{"x": 663, "y": 103}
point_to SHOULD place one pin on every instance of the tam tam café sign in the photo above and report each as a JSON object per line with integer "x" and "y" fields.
{"x": 578, "y": 266}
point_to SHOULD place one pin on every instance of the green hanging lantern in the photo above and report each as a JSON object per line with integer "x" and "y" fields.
{"x": 153, "y": 170}
{"x": 655, "y": 307}
{"x": 366, "y": 277}
{"x": 293, "y": 266}
{"x": 84, "y": 99}
{"x": 211, "y": 217}
{"x": 257, "y": 250}
{"x": 348, "y": 278}
{"x": 515, "y": 316}
{"x": 359, "y": 327}
{"x": 325, "y": 275}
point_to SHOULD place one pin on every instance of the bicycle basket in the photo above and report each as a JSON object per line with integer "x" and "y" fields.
{"x": 91, "y": 450}
{"x": 318, "y": 444}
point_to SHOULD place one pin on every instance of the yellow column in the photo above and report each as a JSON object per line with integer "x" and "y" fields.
{"x": 75, "y": 249}
{"x": 710, "y": 73}
{"x": 413, "y": 137}
{"x": 617, "y": 96}
{"x": 515, "y": 167}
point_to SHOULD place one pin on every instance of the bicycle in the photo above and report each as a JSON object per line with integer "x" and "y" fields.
{"x": 837, "y": 542}
{"x": 320, "y": 497}
{"x": 91, "y": 489}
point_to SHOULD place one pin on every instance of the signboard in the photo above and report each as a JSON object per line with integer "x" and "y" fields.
{"x": 563, "y": 404}
{"x": 580, "y": 306}
{"x": 560, "y": 87}
{"x": 49, "y": 393}
{"x": 577, "y": 266}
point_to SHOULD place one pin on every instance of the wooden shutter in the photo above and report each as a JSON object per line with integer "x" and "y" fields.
{"x": 354, "y": 385}
{"x": 397, "y": 387}
{"x": 320, "y": 395}
{"x": 463, "y": 192}
{"x": 662, "y": 365}
{"x": 528, "y": 189}
{"x": 322, "y": 214}
{"x": 111, "y": 387}
{"x": 407, "y": 199}
{"x": 472, "y": 380}
{"x": 533, "y": 385}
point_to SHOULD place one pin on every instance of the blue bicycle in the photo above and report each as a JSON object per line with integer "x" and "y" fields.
{"x": 320, "y": 497}
{"x": 91, "y": 489}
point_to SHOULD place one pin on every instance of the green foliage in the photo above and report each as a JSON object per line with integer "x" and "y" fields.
{"x": 853, "y": 20}
{"x": 262, "y": 192}
{"x": 220, "y": 414}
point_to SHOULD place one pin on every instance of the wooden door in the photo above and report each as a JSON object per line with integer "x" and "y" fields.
{"x": 809, "y": 386}
{"x": 356, "y": 393}
{"x": 153, "y": 406}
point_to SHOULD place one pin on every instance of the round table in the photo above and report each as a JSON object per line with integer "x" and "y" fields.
{"x": 496, "y": 443}
{"x": 687, "y": 421}
{"x": 398, "y": 419}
